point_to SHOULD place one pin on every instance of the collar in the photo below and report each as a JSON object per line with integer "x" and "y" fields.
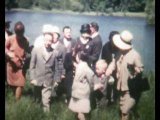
{"x": 94, "y": 34}
{"x": 54, "y": 45}
{"x": 83, "y": 41}
{"x": 66, "y": 42}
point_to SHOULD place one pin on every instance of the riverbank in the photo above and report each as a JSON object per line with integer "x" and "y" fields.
{"x": 122, "y": 14}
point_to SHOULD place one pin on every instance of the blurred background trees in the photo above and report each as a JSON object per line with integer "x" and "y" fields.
{"x": 103, "y": 6}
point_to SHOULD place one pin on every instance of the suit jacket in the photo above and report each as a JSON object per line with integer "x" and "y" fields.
{"x": 59, "y": 62}
{"x": 72, "y": 41}
{"x": 41, "y": 68}
{"x": 97, "y": 42}
{"x": 87, "y": 49}
{"x": 83, "y": 81}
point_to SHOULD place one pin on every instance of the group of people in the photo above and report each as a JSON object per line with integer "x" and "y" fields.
{"x": 62, "y": 65}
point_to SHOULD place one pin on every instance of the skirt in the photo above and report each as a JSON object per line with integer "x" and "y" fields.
{"x": 79, "y": 105}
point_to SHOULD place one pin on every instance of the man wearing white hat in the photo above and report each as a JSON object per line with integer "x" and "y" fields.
{"x": 126, "y": 57}
{"x": 42, "y": 70}
{"x": 47, "y": 29}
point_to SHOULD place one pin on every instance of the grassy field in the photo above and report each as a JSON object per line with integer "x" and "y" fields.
{"x": 27, "y": 109}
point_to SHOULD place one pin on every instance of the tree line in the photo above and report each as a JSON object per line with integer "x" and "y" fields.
{"x": 103, "y": 6}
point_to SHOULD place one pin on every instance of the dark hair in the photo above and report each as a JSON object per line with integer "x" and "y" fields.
{"x": 85, "y": 28}
{"x": 112, "y": 33}
{"x": 66, "y": 27}
{"x": 19, "y": 28}
{"x": 82, "y": 55}
{"x": 94, "y": 25}
{"x": 7, "y": 24}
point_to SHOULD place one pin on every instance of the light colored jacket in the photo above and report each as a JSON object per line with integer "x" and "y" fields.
{"x": 41, "y": 68}
{"x": 82, "y": 82}
{"x": 132, "y": 57}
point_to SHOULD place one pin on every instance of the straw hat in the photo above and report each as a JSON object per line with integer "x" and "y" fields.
{"x": 123, "y": 41}
{"x": 47, "y": 28}
{"x": 56, "y": 29}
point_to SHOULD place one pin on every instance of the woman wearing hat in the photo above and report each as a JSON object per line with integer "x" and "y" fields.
{"x": 85, "y": 44}
{"x": 129, "y": 65}
{"x": 16, "y": 47}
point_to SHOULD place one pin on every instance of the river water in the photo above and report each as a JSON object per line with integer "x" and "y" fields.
{"x": 144, "y": 35}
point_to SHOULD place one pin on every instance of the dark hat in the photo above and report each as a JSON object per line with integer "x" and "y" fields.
{"x": 94, "y": 25}
{"x": 85, "y": 28}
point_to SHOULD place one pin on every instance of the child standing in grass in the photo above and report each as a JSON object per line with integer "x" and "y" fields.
{"x": 81, "y": 88}
{"x": 99, "y": 95}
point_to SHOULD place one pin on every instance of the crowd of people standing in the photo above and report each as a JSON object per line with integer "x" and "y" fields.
{"x": 89, "y": 73}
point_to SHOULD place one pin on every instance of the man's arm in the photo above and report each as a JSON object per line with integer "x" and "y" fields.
{"x": 33, "y": 64}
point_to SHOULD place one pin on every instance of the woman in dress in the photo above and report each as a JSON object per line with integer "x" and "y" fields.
{"x": 16, "y": 47}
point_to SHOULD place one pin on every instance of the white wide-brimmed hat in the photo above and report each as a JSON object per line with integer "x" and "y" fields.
{"x": 123, "y": 41}
{"x": 47, "y": 28}
{"x": 56, "y": 29}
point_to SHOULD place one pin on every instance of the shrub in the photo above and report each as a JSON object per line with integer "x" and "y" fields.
{"x": 24, "y": 3}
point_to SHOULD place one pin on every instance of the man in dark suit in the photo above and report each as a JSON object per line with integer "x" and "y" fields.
{"x": 97, "y": 41}
{"x": 108, "y": 53}
{"x": 69, "y": 44}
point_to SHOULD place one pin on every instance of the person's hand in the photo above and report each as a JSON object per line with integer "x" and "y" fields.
{"x": 11, "y": 54}
{"x": 98, "y": 86}
{"x": 55, "y": 84}
{"x": 75, "y": 64}
{"x": 62, "y": 77}
{"x": 108, "y": 72}
{"x": 34, "y": 82}
{"x": 111, "y": 80}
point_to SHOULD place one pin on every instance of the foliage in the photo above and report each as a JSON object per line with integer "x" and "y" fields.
{"x": 27, "y": 109}
{"x": 150, "y": 10}
{"x": 45, "y": 4}
{"x": 76, "y": 6}
{"x": 9, "y": 4}
{"x": 136, "y": 5}
{"x": 24, "y": 3}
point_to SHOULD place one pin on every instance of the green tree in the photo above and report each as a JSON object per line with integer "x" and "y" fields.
{"x": 137, "y": 5}
{"x": 9, "y": 4}
{"x": 150, "y": 11}
{"x": 45, "y": 4}
{"x": 24, "y": 3}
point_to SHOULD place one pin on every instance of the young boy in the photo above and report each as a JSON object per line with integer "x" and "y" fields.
{"x": 98, "y": 96}
{"x": 81, "y": 87}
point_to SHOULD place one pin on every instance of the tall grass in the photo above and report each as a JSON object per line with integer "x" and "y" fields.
{"x": 27, "y": 109}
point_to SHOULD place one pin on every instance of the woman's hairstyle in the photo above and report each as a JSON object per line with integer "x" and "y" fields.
{"x": 19, "y": 28}
{"x": 94, "y": 25}
{"x": 111, "y": 34}
{"x": 82, "y": 55}
{"x": 85, "y": 28}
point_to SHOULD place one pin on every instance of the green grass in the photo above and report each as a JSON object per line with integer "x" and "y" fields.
{"x": 27, "y": 109}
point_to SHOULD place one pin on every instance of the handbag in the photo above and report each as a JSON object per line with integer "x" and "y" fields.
{"x": 138, "y": 84}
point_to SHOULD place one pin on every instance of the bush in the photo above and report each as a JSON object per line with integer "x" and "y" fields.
{"x": 76, "y": 6}
{"x": 45, "y": 4}
{"x": 150, "y": 10}
{"x": 24, "y": 3}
